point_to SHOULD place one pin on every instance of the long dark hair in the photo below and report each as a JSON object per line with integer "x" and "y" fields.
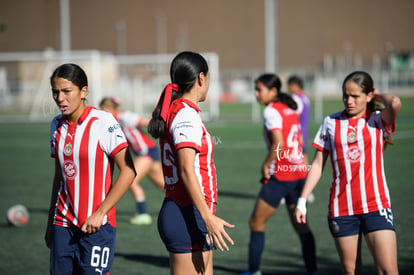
{"x": 363, "y": 80}
{"x": 184, "y": 72}
{"x": 71, "y": 72}
{"x": 273, "y": 81}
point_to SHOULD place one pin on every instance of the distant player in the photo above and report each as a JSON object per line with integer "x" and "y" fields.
{"x": 359, "y": 201}
{"x": 283, "y": 171}
{"x": 85, "y": 143}
{"x": 295, "y": 88}
{"x": 186, "y": 222}
{"x": 147, "y": 161}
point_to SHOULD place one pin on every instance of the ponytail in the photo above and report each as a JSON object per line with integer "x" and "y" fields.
{"x": 156, "y": 126}
{"x": 287, "y": 100}
{"x": 185, "y": 69}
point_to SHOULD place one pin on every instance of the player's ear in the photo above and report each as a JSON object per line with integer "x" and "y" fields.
{"x": 370, "y": 96}
{"x": 274, "y": 91}
{"x": 84, "y": 92}
{"x": 201, "y": 79}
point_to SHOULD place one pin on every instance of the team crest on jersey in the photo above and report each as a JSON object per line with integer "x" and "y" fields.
{"x": 352, "y": 137}
{"x": 68, "y": 149}
{"x": 354, "y": 153}
{"x": 70, "y": 169}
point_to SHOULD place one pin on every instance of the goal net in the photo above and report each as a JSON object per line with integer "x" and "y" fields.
{"x": 137, "y": 80}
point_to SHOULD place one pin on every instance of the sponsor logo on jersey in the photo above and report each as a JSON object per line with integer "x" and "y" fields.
{"x": 114, "y": 128}
{"x": 184, "y": 124}
{"x": 70, "y": 169}
{"x": 354, "y": 153}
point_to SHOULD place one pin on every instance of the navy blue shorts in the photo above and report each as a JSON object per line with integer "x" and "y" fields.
{"x": 275, "y": 190}
{"x": 182, "y": 229}
{"x": 352, "y": 225}
{"x": 75, "y": 252}
{"x": 154, "y": 153}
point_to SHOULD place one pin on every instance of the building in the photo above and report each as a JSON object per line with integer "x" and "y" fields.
{"x": 310, "y": 34}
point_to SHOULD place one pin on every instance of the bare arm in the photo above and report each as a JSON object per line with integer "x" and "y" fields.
{"x": 391, "y": 107}
{"x": 215, "y": 225}
{"x": 312, "y": 179}
{"x": 126, "y": 176}
{"x": 277, "y": 144}
{"x": 143, "y": 122}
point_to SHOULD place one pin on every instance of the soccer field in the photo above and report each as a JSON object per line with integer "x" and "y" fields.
{"x": 26, "y": 172}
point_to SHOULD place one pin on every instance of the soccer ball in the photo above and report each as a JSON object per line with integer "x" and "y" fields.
{"x": 18, "y": 215}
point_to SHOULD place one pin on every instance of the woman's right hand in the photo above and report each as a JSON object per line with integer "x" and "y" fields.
{"x": 300, "y": 211}
{"x": 266, "y": 171}
{"x": 216, "y": 232}
{"x": 300, "y": 217}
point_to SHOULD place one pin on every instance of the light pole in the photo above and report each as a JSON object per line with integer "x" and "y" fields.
{"x": 270, "y": 15}
{"x": 65, "y": 26}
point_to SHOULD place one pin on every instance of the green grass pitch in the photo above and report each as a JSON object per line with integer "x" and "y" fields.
{"x": 26, "y": 172}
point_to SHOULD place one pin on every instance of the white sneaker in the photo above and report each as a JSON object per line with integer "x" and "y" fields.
{"x": 141, "y": 219}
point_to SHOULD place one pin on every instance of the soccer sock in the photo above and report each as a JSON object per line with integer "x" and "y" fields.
{"x": 256, "y": 247}
{"x": 308, "y": 251}
{"x": 141, "y": 207}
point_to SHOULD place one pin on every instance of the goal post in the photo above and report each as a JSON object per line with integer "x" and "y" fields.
{"x": 154, "y": 75}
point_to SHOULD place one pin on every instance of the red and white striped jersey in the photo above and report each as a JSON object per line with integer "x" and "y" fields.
{"x": 289, "y": 164}
{"x": 356, "y": 148}
{"x": 84, "y": 152}
{"x": 184, "y": 128}
{"x": 138, "y": 141}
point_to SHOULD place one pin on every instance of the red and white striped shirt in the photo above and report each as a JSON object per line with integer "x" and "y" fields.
{"x": 84, "y": 152}
{"x": 356, "y": 147}
{"x": 138, "y": 141}
{"x": 186, "y": 129}
{"x": 289, "y": 164}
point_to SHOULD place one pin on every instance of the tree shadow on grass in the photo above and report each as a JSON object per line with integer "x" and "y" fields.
{"x": 161, "y": 261}
{"x": 237, "y": 195}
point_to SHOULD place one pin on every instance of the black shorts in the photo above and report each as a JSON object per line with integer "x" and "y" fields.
{"x": 182, "y": 229}
{"x": 275, "y": 190}
{"x": 352, "y": 225}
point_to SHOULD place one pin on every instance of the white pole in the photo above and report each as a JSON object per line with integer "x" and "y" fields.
{"x": 64, "y": 26}
{"x": 270, "y": 11}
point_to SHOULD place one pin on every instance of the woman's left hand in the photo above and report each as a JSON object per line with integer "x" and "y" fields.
{"x": 93, "y": 223}
{"x": 217, "y": 233}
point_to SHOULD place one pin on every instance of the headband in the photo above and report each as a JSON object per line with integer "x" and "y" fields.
{"x": 167, "y": 93}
